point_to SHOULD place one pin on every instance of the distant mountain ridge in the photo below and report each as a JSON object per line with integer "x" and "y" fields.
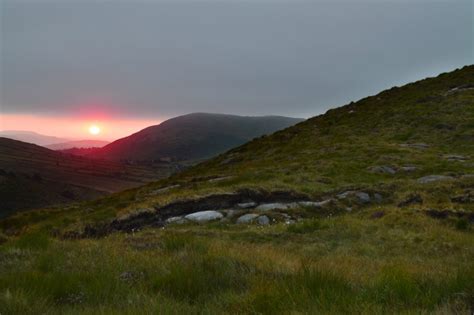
{"x": 78, "y": 144}
{"x": 192, "y": 137}
{"x": 32, "y": 137}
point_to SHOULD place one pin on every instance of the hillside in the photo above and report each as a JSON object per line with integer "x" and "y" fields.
{"x": 385, "y": 142}
{"x": 192, "y": 137}
{"x": 33, "y": 176}
{"x": 367, "y": 209}
{"x": 79, "y": 144}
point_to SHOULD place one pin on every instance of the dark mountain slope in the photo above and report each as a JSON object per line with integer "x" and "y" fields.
{"x": 32, "y": 176}
{"x": 192, "y": 137}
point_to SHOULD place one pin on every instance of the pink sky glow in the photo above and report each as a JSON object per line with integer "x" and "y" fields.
{"x": 75, "y": 128}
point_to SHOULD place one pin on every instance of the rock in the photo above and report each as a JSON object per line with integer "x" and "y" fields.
{"x": 408, "y": 168}
{"x": 463, "y": 87}
{"x": 272, "y": 206}
{"x": 383, "y": 170}
{"x": 247, "y": 218}
{"x": 314, "y": 204}
{"x": 415, "y": 145}
{"x": 378, "y": 197}
{"x": 454, "y": 157}
{"x": 204, "y": 216}
{"x": 246, "y": 205}
{"x": 162, "y": 190}
{"x": 377, "y": 215}
{"x": 263, "y": 220}
{"x": 433, "y": 178}
{"x": 411, "y": 199}
{"x": 467, "y": 197}
{"x": 231, "y": 212}
{"x": 361, "y": 196}
{"x": 345, "y": 194}
{"x": 219, "y": 179}
{"x": 176, "y": 220}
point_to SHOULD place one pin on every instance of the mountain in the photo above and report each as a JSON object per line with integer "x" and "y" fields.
{"x": 79, "y": 144}
{"x": 192, "y": 137}
{"x": 367, "y": 209}
{"x": 32, "y": 137}
{"x": 33, "y": 176}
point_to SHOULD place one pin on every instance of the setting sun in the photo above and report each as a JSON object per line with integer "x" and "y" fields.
{"x": 94, "y": 130}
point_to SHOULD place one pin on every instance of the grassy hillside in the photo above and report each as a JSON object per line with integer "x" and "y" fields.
{"x": 399, "y": 242}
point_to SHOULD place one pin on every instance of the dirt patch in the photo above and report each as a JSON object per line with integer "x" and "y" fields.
{"x": 410, "y": 200}
{"x": 444, "y": 214}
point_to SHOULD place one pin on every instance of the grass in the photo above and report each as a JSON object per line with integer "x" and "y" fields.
{"x": 402, "y": 262}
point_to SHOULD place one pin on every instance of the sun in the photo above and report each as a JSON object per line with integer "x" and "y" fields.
{"x": 94, "y": 130}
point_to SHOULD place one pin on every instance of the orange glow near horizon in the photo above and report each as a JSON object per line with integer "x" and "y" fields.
{"x": 76, "y": 128}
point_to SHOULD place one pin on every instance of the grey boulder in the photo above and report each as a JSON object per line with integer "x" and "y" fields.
{"x": 176, "y": 220}
{"x": 204, "y": 216}
{"x": 408, "y": 168}
{"x": 272, "y": 206}
{"x": 361, "y": 196}
{"x": 314, "y": 204}
{"x": 384, "y": 169}
{"x": 247, "y": 218}
{"x": 263, "y": 220}
{"x": 455, "y": 157}
{"x": 433, "y": 178}
{"x": 246, "y": 205}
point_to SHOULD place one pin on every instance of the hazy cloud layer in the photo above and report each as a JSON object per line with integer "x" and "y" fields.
{"x": 156, "y": 58}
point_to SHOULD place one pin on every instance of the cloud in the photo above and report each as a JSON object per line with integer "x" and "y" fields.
{"x": 157, "y": 58}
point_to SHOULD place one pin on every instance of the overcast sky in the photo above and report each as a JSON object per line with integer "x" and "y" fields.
{"x": 145, "y": 59}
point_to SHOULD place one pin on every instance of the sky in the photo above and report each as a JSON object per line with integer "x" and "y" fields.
{"x": 124, "y": 65}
